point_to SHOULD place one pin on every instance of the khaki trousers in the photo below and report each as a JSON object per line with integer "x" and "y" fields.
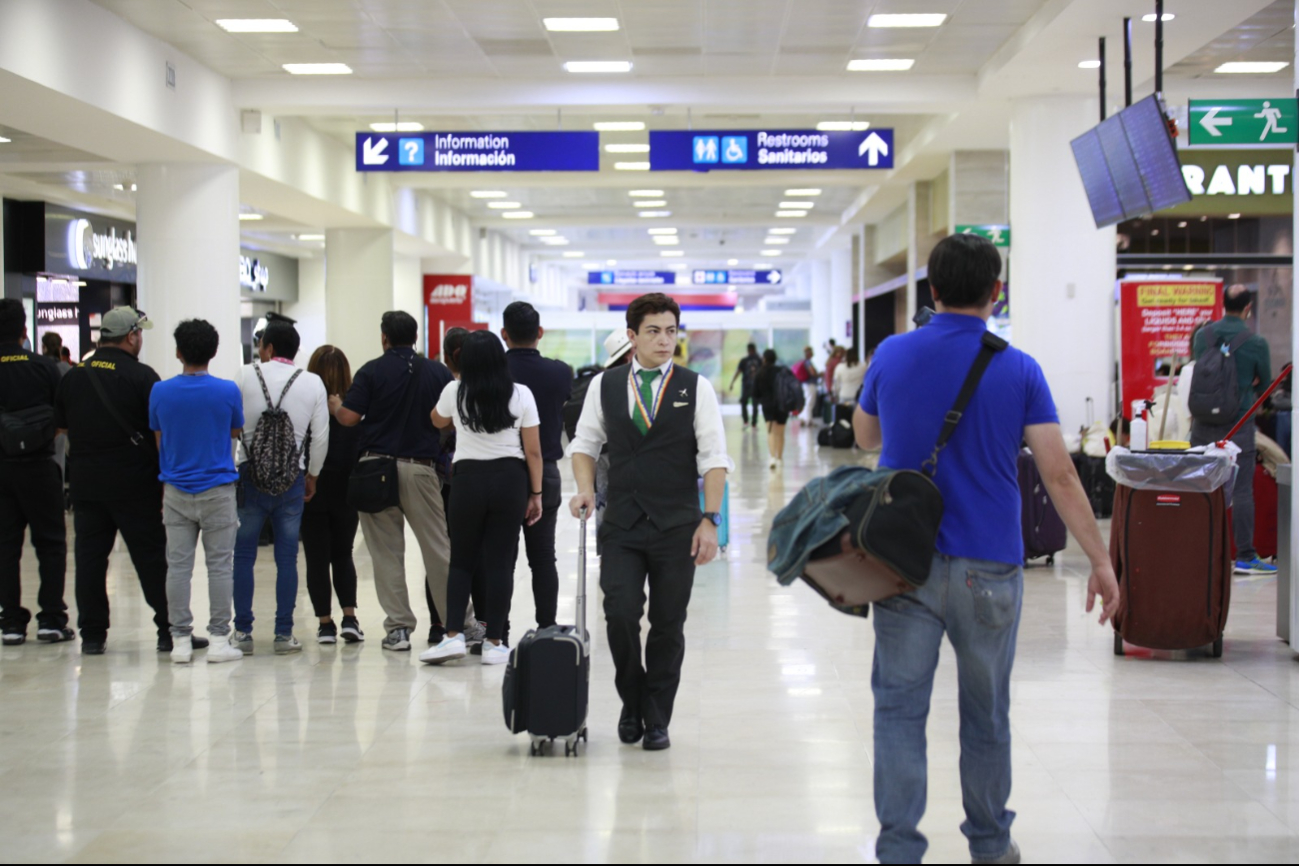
{"x": 420, "y": 493}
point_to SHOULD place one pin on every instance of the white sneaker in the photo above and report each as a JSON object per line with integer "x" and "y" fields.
{"x": 771, "y": 463}
{"x": 182, "y": 650}
{"x": 222, "y": 650}
{"x": 450, "y": 649}
{"x": 495, "y": 655}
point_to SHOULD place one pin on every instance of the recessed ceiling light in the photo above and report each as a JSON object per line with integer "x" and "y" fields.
{"x": 1090, "y": 64}
{"x": 667, "y": 240}
{"x": 672, "y": 254}
{"x": 488, "y": 193}
{"x": 518, "y": 215}
{"x": 317, "y": 69}
{"x": 732, "y": 262}
{"x": 4, "y": 140}
{"x": 791, "y": 214}
{"x": 796, "y": 205}
{"x": 798, "y": 192}
{"x": 309, "y": 237}
{"x": 775, "y": 242}
{"x": 843, "y": 125}
{"x": 555, "y": 242}
{"x": 542, "y": 233}
{"x": 1150, "y": 18}
{"x": 250, "y": 217}
{"x": 1233, "y": 216}
{"x": 626, "y": 148}
{"x": 1246, "y": 67}
{"x": 876, "y": 64}
{"x": 400, "y": 126}
{"x": 504, "y": 205}
{"x": 631, "y": 166}
{"x": 573, "y": 254}
{"x": 655, "y": 214}
{"x": 580, "y": 25}
{"x": 619, "y": 126}
{"x": 647, "y": 193}
{"x": 597, "y": 66}
{"x": 907, "y": 19}
{"x": 771, "y": 252}
{"x": 647, "y": 202}
{"x": 662, "y": 231}
{"x": 257, "y": 25}
{"x": 781, "y": 231}
{"x": 1182, "y": 224}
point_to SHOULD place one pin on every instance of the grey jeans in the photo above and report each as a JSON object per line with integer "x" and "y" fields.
{"x": 213, "y": 513}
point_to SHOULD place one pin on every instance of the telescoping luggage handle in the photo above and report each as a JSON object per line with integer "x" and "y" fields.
{"x": 581, "y": 579}
{"x": 1257, "y": 404}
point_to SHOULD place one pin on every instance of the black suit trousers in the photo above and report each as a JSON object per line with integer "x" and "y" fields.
{"x": 139, "y": 519}
{"x": 31, "y": 497}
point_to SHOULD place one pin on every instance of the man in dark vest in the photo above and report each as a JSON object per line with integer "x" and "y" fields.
{"x": 664, "y": 430}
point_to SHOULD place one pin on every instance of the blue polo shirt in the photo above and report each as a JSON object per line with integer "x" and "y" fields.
{"x": 912, "y": 384}
{"x": 195, "y": 415}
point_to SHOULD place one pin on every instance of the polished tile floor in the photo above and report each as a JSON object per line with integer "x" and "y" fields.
{"x": 354, "y": 754}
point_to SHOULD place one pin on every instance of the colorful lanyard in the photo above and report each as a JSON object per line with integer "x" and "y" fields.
{"x": 283, "y": 361}
{"x": 650, "y": 414}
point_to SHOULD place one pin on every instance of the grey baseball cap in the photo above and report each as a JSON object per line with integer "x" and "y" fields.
{"x": 120, "y": 321}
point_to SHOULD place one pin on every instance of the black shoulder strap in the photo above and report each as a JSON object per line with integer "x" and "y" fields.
{"x": 992, "y": 344}
{"x": 408, "y": 399}
{"x": 137, "y": 437}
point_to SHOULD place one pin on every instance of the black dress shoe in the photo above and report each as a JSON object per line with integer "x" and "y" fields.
{"x": 165, "y": 643}
{"x": 656, "y": 738}
{"x": 630, "y": 727}
{"x": 92, "y": 647}
{"x": 198, "y": 642}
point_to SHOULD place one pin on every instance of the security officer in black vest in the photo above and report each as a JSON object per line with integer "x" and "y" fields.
{"x": 664, "y": 430}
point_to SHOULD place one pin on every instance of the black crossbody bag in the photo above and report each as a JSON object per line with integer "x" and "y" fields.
{"x": 372, "y": 486}
{"x": 888, "y": 548}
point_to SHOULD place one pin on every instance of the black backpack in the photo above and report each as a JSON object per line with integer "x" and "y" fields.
{"x": 789, "y": 392}
{"x": 274, "y": 456}
{"x": 573, "y": 408}
{"x": 1215, "y": 389}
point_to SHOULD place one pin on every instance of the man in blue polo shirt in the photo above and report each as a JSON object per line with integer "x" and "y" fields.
{"x": 976, "y": 586}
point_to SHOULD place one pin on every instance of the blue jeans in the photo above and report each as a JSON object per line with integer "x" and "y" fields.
{"x": 285, "y": 512}
{"x": 977, "y": 603}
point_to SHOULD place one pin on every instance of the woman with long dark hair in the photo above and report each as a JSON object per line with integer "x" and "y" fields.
{"x": 497, "y": 472}
{"x": 764, "y": 391}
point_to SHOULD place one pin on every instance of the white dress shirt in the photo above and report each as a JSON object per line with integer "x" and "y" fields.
{"x": 711, "y": 437}
{"x": 307, "y": 405}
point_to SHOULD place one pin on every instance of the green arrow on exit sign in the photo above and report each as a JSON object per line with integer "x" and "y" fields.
{"x": 1244, "y": 121}
{"x": 999, "y": 235}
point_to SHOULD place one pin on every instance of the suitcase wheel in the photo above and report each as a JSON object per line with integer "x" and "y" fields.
{"x": 1217, "y": 648}
{"x": 1118, "y": 644}
{"x": 1050, "y": 560}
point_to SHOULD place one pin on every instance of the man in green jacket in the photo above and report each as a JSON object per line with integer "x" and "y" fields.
{"x": 1254, "y": 374}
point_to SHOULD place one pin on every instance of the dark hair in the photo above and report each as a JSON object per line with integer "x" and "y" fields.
{"x": 331, "y": 365}
{"x": 452, "y": 342}
{"x": 284, "y": 337}
{"x": 769, "y": 358}
{"x": 13, "y": 319}
{"x": 51, "y": 343}
{"x": 485, "y": 384}
{"x": 963, "y": 271}
{"x": 1236, "y": 299}
{"x": 522, "y": 323}
{"x": 852, "y": 359}
{"x": 66, "y": 353}
{"x": 650, "y": 305}
{"x": 197, "y": 342}
{"x": 399, "y": 327}
{"x": 753, "y": 347}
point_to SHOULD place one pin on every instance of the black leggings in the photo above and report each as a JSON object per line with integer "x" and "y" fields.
{"x": 489, "y": 499}
{"x": 328, "y": 532}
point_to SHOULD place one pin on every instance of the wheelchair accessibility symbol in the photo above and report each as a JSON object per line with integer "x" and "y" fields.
{"x": 735, "y": 149}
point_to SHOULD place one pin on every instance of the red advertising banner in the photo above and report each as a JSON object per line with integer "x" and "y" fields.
{"x": 448, "y": 303}
{"x": 1157, "y": 318}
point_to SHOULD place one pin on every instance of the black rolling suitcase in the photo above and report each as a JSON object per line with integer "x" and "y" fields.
{"x": 548, "y": 680}
{"x": 1044, "y": 530}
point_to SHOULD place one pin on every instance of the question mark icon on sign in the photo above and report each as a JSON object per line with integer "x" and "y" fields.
{"x": 412, "y": 148}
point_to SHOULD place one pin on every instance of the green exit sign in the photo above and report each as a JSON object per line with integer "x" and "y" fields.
{"x": 1244, "y": 121}
{"x": 999, "y": 235}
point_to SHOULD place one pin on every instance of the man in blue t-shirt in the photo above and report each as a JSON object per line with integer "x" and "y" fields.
{"x": 195, "y": 417}
{"x": 976, "y": 586}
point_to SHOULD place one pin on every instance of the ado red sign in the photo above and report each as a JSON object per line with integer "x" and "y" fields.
{"x": 1158, "y": 317}
{"x": 448, "y": 303}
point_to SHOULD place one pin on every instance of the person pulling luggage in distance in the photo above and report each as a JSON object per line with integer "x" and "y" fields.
{"x": 976, "y": 585}
{"x": 747, "y": 369}
{"x": 498, "y": 488}
{"x": 663, "y": 426}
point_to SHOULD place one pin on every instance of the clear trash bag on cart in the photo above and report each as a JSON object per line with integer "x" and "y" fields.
{"x": 1197, "y": 470}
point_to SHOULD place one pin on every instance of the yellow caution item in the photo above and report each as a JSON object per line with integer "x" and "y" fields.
{"x": 1170, "y": 445}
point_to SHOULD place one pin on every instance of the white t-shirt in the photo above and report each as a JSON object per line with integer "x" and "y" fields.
{"x": 471, "y": 445}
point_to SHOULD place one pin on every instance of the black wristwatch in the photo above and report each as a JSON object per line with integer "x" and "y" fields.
{"x": 714, "y": 516}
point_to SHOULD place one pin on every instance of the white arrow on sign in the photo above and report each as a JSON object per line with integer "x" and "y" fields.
{"x": 1211, "y": 121}
{"x": 773, "y": 276}
{"x": 875, "y": 146}
{"x": 373, "y": 154}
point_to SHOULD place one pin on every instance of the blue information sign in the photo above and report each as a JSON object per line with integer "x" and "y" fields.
{"x": 770, "y": 149}
{"x": 771, "y": 277}
{"x": 632, "y": 278}
{"x": 478, "y": 151}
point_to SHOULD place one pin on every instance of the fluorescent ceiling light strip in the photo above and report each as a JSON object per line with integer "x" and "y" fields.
{"x": 1255, "y": 67}
{"x": 645, "y": 202}
{"x": 662, "y": 231}
{"x": 489, "y": 193}
{"x": 626, "y": 148}
{"x": 401, "y": 126}
{"x": 504, "y": 205}
{"x": 781, "y": 231}
{"x": 317, "y": 69}
{"x": 619, "y": 126}
{"x": 771, "y": 252}
{"x": 310, "y": 237}
{"x": 631, "y": 166}
{"x": 667, "y": 240}
{"x": 4, "y": 140}
{"x": 907, "y": 19}
{"x": 668, "y": 254}
{"x": 647, "y": 193}
{"x": 518, "y": 215}
{"x": 257, "y": 25}
{"x": 775, "y": 242}
{"x": 597, "y": 66}
{"x": 881, "y": 64}
{"x": 797, "y": 205}
{"x": 843, "y": 125}
{"x": 794, "y": 193}
{"x": 573, "y": 254}
{"x": 1090, "y": 64}
{"x": 1150, "y": 17}
{"x": 542, "y": 233}
{"x": 250, "y": 217}
{"x": 655, "y": 214}
{"x": 580, "y": 25}
{"x": 791, "y": 214}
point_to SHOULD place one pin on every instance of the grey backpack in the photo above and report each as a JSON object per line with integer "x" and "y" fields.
{"x": 273, "y": 454}
{"x": 1214, "y": 400}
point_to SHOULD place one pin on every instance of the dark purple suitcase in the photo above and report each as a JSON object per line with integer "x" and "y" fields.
{"x": 1044, "y": 531}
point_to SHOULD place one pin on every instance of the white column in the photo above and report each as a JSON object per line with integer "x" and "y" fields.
{"x": 309, "y": 309}
{"x": 408, "y": 293}
{"x": 913, "y": 254}
{"x": 358, "y": 290}
{"x": 187, "y": 218}
{"x": 820, "y": 296}
{"x": 1063, "y": 267}
{"x": 840, "y": 295}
